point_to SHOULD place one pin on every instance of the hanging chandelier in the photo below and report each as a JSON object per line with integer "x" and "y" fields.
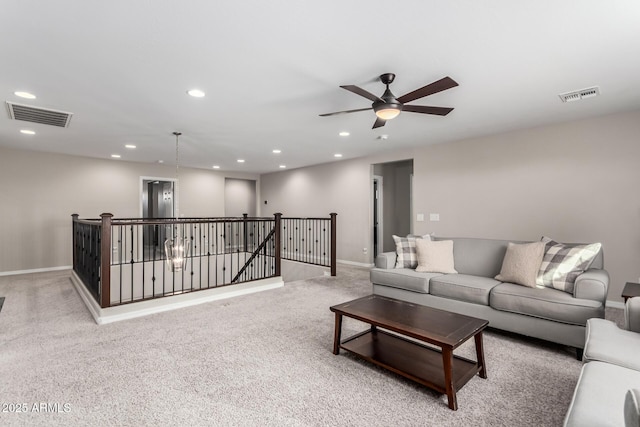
{"x": 176, "y": 249}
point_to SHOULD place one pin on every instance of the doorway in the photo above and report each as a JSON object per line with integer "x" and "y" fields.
{"x": 392, "y": 203}
{"x": 157, "y": 197}
{"x": 378, "y": 215}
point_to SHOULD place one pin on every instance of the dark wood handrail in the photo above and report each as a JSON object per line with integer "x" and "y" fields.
{"x": 92, "y": 245}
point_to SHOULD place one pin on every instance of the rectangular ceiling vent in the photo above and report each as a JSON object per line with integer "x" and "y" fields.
{"x": 577, "y": 95}
{"x": 29, "y": 113}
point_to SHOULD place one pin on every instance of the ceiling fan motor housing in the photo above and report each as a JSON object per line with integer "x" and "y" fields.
{"x": 390, "y": 102}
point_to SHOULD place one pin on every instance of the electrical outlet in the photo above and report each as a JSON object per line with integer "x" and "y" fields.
{"x": 364, "y": 250}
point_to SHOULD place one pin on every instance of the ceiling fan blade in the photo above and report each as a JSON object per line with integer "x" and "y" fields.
{"x": 438, "y": 111}
{"x": 345, "y": 112}
{"x": 435, "y": 87}
{"x": 379, "y": 123}
{"x": 359, "y": 91}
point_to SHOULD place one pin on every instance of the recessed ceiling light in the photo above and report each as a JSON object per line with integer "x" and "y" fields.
{"x": 216, "y": 167}
{"x": 337, "y": 155}
{"x": 344, "y": 133}
{"x": 27, "y": 132}
{"x": 130, "y": 146}
{"x": 240, "y": 160}
{"x": 116, "y": 156}
{"x": 196, "y": 93}
{"x": 160, "y": 161}
{"x": 24, "y": 95}
{"x": 276, "y": 151}
{"x": 283, "y": 166}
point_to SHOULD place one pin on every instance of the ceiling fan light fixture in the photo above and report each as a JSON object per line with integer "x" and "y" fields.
{"x": 388, "y": 112}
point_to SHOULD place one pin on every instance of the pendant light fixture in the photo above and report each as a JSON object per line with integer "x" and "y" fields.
{"x": 177, "y": 249}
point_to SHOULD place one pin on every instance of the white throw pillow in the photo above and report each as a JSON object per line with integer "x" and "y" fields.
{"x": 435, "y": 256}
{"x": 521, "y": 263}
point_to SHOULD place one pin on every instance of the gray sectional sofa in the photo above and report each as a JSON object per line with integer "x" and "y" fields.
{"x": 608, "y": 390}
{"x": 548, "y": 313}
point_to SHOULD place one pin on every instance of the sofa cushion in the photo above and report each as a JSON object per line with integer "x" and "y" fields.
{"x": 477, "y": 257}
{"x": 563, "y": 263}
{"x": 599, "y": 397}
{"x": 463, "y": 287}
{"x": 546, "y": 303}
{"x": 435, "y": 257}
{"x": 605, "y": 342}
{"x": 521, "y": 263}
{"x": 402, "y": 278}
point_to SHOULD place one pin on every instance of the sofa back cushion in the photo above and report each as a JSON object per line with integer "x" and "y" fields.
{"x": 483, "y": 257}
{"x": 477, "y": 257}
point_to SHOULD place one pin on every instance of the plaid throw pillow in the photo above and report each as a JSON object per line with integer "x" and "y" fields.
{"x": 562, "y": 263}
{"x": 406, "y": 253}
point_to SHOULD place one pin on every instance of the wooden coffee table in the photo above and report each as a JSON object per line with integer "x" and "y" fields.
{"x": 438, "y": 369}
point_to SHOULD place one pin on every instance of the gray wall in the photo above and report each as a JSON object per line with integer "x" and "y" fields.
{"x": 341, "y": 187}
{"x": 574, "y": 182}
{"x": 40, "y": 191}
{"x": 239, "y": 197}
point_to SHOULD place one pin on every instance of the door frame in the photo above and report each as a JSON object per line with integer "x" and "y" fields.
{"x": 379, "y": 211}
{"x": 155, "y": 178}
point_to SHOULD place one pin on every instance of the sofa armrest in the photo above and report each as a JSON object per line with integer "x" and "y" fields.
{"x": 632, "y": 314}
{"x": 593, "y": 284}
{"x": 632, "y": 408}
{"x": 386, "y": 260}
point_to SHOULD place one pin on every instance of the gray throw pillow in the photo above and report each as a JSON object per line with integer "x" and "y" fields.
{"x": 406, "y": 256}
{"x": 563, "y": 263}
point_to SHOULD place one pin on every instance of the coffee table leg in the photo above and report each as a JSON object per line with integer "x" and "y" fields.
{"x": 336, "y": 335}
{"x": 447, "y": 361}
{"x": 480, "y": 355}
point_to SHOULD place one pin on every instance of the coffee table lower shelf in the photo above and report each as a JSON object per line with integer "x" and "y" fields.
{"x": 410, "y": 359}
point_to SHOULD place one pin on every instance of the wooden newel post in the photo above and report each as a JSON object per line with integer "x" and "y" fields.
{"x": 278, "y": 248}
{"x": 333, "y": 216}
{"x": 105, "y": 260}
{"x": 74, "y": 248}
{"x": 244, "y": 222}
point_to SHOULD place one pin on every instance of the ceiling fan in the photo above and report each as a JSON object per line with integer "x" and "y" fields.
{"x": 388, "y": 106}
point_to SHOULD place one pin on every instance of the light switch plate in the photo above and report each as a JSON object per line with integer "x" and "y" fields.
{"x": 434, "y": 217}
{"x": 420, "y": 217}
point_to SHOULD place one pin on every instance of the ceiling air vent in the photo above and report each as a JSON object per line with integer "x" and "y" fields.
{"x": 580, "y": 94}
{"x": 33, "y": 114}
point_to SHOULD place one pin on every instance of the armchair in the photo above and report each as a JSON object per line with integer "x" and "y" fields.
{"x": 608, "y": 390}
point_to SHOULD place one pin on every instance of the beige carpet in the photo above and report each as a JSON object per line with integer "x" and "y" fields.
{"x": 261, "y": 359}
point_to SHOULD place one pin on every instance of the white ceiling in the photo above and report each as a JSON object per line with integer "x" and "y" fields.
{"x": 269, "y": 68}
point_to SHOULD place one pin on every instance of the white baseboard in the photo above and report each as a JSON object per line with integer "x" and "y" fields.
{"x": 614, "y": 304}
{"x": 35, "y": 270}
{"x": 357, "y": 264}
{"x": 103, "y": 316}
